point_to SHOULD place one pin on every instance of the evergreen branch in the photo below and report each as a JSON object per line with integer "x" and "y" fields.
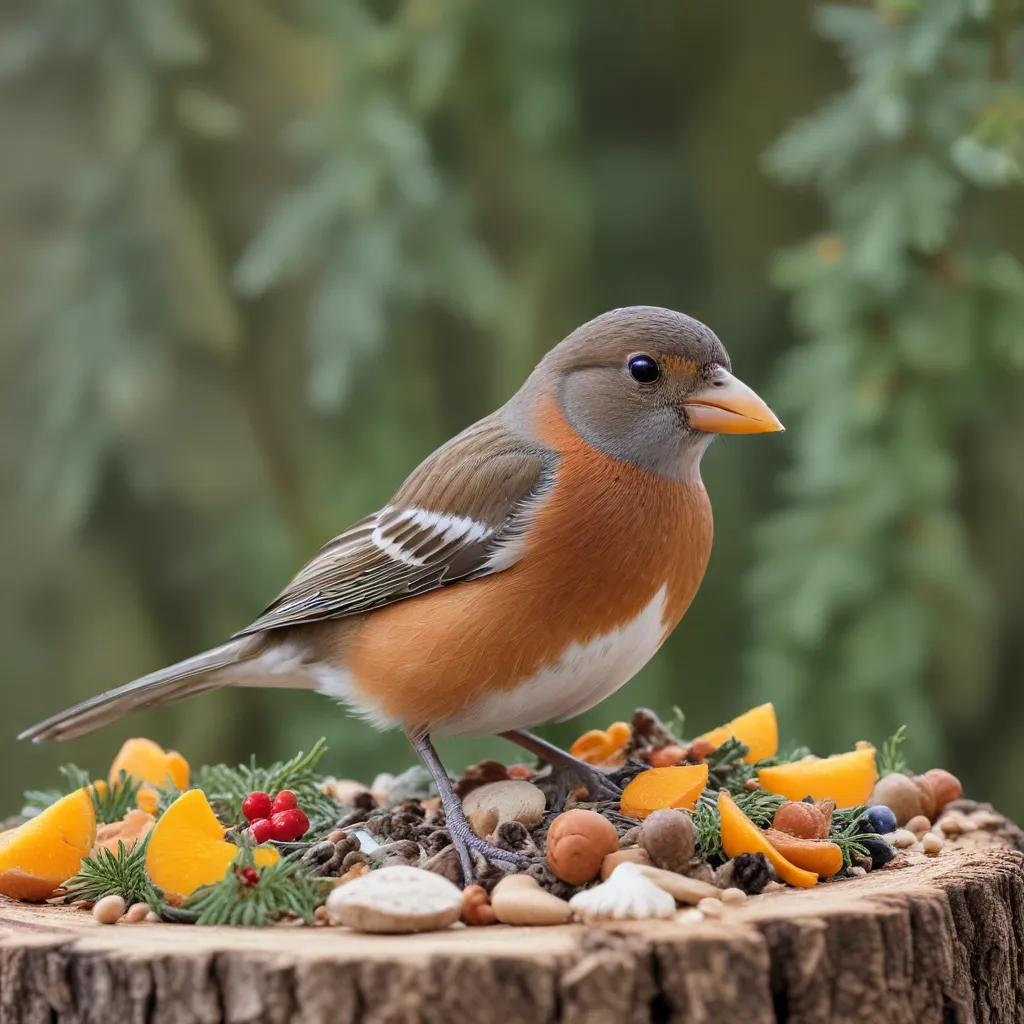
{"x": 242, "y": 898}
{"x": 227, "y": 787}
{"x": 104, "y": 873}
{"x": 114, "y": 800}
{"x": 846, "y": 832}
{"x": 758, "y": 805}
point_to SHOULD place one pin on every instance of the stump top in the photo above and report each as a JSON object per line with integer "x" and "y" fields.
{"x": 934, "y": 940}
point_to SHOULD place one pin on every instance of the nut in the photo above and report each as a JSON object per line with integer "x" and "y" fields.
{"x": 632, "y": 855}
{"x": 803, "y": 820}
{"x": 109, "y": 910}
{"x": 519, "y": 900}
{"x": 577, "y": 843}
{"x": 901, "y": 795}
{"x": 667, "y": 836}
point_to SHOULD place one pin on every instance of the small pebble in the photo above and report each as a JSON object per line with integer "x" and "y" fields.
{"x": 710, "y": 907}
{"x": 932, "y": 844}
{"x": 902, "y": 839}
{"x": 691, "y": 915}
{"x": 856, "y": 872}
{"x": 732, "y": 896}
{"x": 135, "y": 913}
{"x": 320, "y": 915}
{"x": 109, "y": 910}
{"x": 773, "y": 886}
{"x": 919, "y": 824}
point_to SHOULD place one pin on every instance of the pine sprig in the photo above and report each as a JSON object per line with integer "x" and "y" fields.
{"x": 280, "y": 889}
{"x": 114, "y": 800}
{"x": 890, "y": 757}
{"x": 227, "y": 787}
{"x": 105, "y": 873}
{"x": 111, "y": 801}
{"x": 847, "y": 834}
{"x": 758, "y": 805}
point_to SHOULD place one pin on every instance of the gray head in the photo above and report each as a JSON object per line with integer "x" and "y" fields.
{"x": 651, "y": 387}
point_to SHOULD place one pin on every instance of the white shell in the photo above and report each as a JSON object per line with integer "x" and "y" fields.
{"x": 397, "y": 899}
{"x": 628, "y": 895}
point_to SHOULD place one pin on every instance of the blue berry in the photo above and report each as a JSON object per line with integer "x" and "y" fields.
{"x": 883, "y": 821}
{"x": 879, "y": 850}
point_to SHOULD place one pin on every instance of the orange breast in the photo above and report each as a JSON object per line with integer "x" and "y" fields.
{"x": 607, "y": 539}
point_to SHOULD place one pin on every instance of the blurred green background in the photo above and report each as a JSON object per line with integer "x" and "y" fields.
{"x": 260, "y": 257}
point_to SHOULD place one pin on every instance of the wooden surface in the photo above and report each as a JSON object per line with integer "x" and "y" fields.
{"x": 939, "y": 940}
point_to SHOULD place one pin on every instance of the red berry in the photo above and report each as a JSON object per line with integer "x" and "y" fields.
{"x": 289, "y": 825}
{"x": 256, "y": 806}
{"x": 261, "y": 830}
{"x": 250, "y": 876}
{"x": 285, "y": 801}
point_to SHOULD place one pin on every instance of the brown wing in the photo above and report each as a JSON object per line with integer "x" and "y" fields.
{"x": 460, "y": 516}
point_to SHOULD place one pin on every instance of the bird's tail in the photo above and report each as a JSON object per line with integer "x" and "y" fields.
{"x": 193, "y": 675}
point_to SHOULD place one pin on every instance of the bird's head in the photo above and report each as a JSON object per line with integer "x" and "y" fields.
{"x": 652, "y": 387}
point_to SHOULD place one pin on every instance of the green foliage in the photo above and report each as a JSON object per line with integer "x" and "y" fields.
{"x": 227, "y": 787}
{"x": 846, "y": 835}
{"x": 111, "y": 803}
{"x": 104, "y": 873}
{"x": 866, "y": 578}
{"x": 282, "y": 888}
{"x": 757, "y": 805}
{"x": 890, "y": 757}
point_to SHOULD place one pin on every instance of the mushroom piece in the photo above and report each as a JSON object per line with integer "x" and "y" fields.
{"x": 510, "y": 800}
{"x": 628, "y": 895}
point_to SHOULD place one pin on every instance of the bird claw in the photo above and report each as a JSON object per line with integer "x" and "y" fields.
{"x": 464, "y": 839}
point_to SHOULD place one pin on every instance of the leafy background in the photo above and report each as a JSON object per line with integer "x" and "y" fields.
{"x": 260, "y": 257}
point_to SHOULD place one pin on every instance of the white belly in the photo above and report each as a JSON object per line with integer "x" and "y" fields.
{"x": 582, "y": 676}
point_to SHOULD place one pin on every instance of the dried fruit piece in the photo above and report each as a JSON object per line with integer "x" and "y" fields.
{"x": 40, "y": 854}
{"x": 824, "y": 859}
{"x": 741, "y": 835}
{"x": 605, "y": 747}
{"x": 757, "y": 728}
{"x": 845, "y": 778}
{"x": 146, "y": 761}
{"x": 808, "y": 821}
{"x": 187, "y": 847}
{"x": 135, "y": 825}
{"x": 660, "y": 788}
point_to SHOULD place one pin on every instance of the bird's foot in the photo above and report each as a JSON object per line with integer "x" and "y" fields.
{"x": 571, "y": 774}
{"x": 465, "y": 839}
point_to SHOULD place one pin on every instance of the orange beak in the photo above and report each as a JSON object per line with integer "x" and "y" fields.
{"x": 728, "y": 406}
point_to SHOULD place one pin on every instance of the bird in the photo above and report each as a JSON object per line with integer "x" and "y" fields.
{"x": 525, "y": 571}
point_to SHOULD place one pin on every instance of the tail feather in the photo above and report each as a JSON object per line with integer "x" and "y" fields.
{"x": 194, "y": 675}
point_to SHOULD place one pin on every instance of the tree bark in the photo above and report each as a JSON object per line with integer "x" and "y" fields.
{"x": 932, "y": 941}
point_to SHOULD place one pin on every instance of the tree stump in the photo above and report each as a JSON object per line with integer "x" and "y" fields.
{"x": 932, "y": 941}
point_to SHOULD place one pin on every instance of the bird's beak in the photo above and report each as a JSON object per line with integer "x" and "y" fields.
{"x": 728, "y": 406}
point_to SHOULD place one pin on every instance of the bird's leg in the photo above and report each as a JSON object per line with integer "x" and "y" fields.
{"x": 464, "y": 838}
{"x": 567, "y": 772}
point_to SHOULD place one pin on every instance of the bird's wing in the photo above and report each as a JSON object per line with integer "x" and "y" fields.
{"x": 461, "y": 515}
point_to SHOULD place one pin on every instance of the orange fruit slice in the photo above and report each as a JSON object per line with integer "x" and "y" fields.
{"x": 757, "y": 728}
{"x": 187, "y": 848}
{"x": 848, "y": 779}
{"x": 601, "y": 746}
{"x": 658, "y": 788}
{"x": 741, "y": 835}
{"x": 146, "y": 761}
{"x": 36, "y": 857}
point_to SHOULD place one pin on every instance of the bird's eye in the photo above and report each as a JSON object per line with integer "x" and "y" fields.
{"x": 643, "y": 369}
